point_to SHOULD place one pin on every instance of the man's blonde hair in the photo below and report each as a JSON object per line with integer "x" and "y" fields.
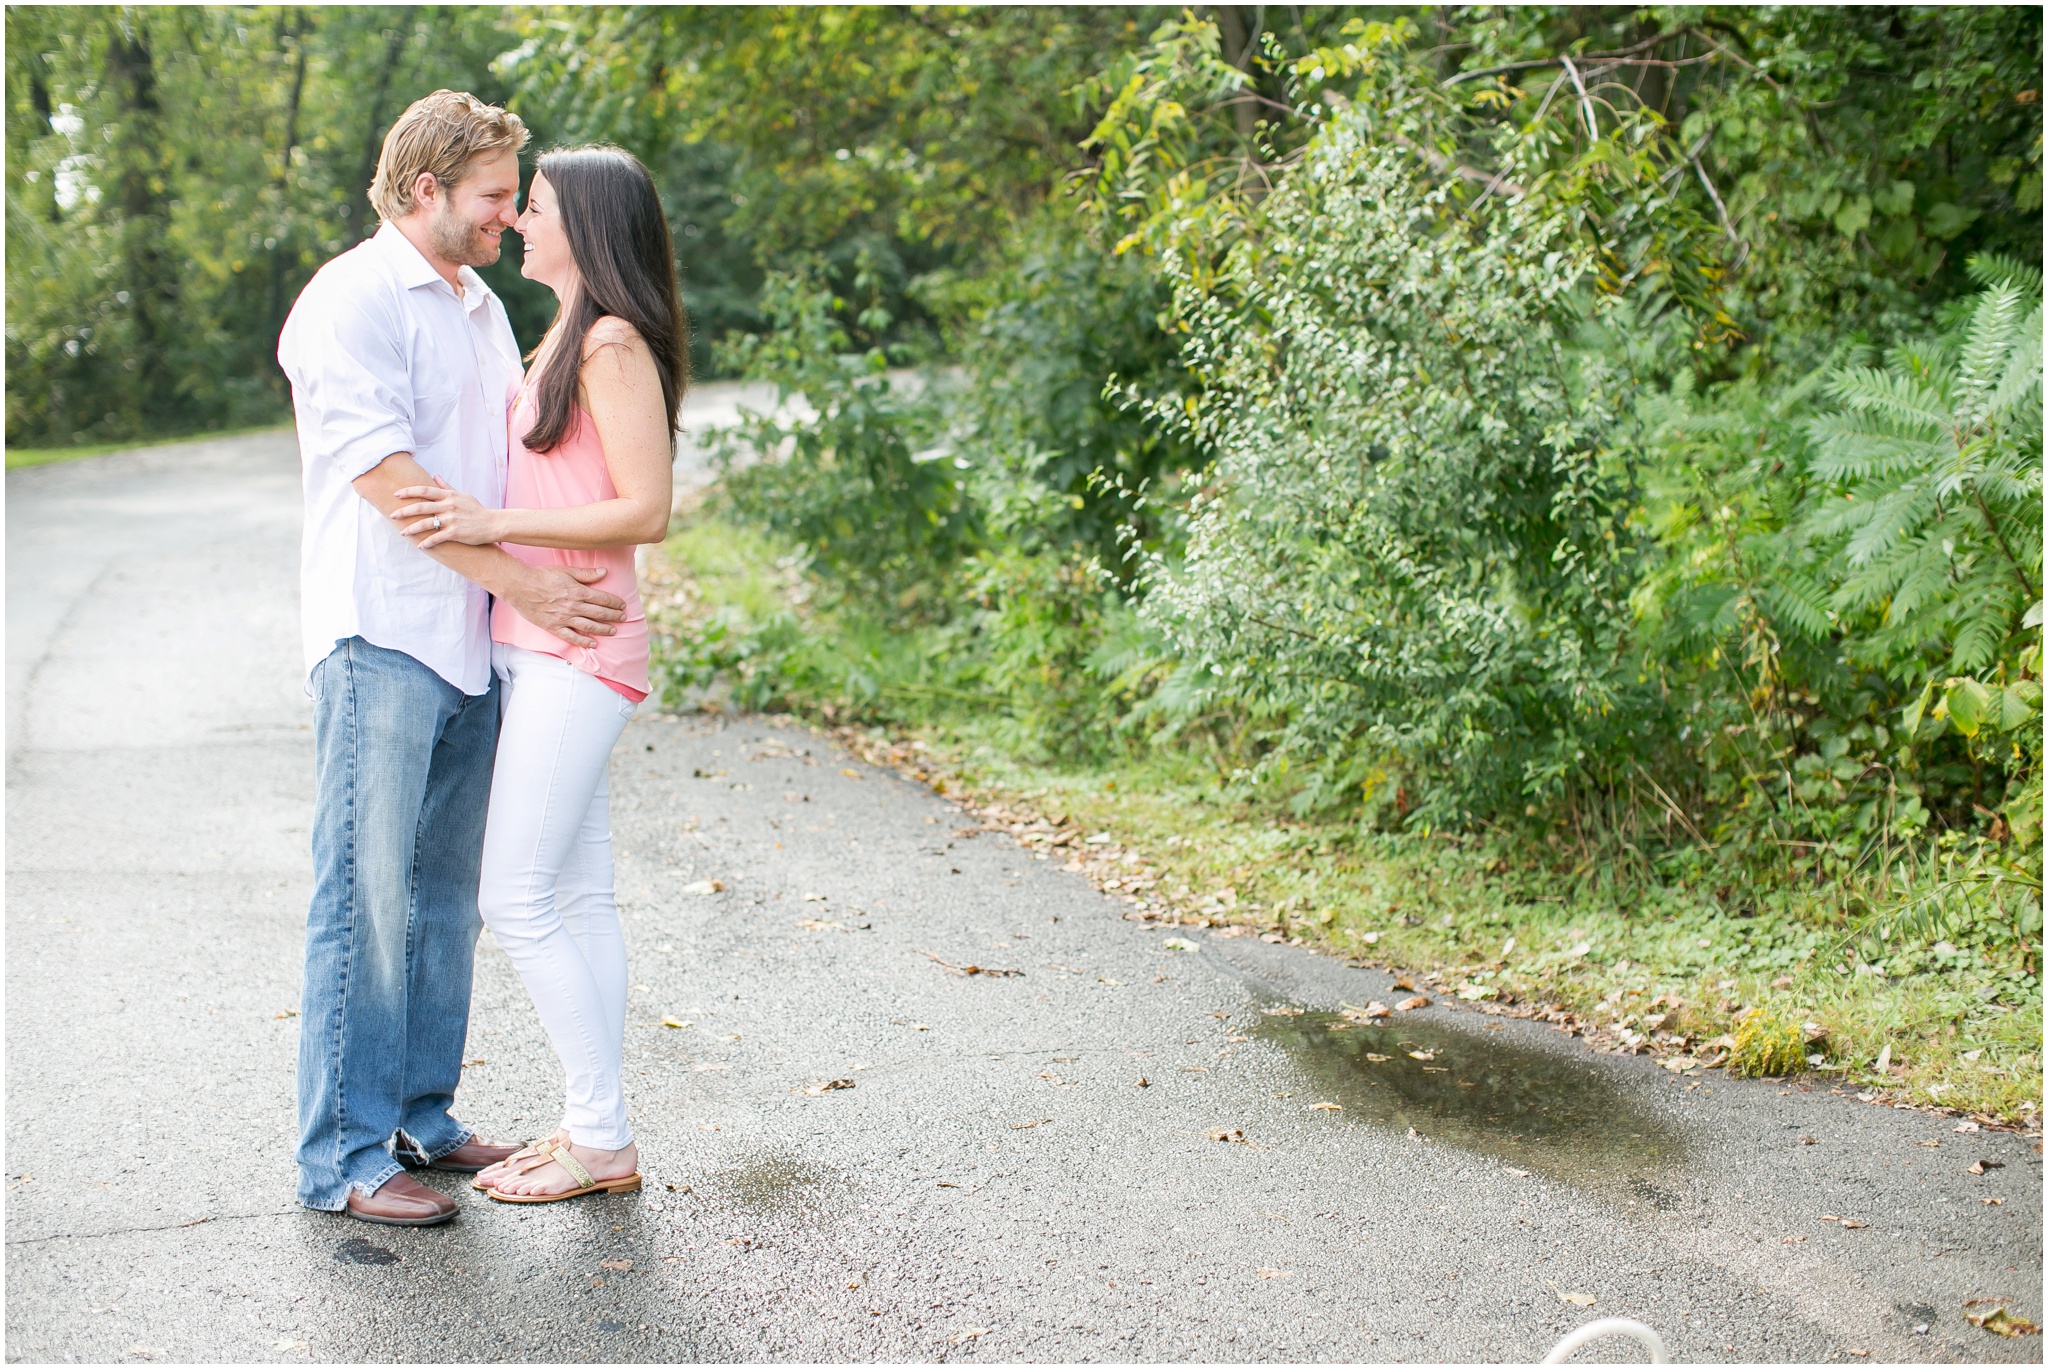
{"x": 442, "y": 134}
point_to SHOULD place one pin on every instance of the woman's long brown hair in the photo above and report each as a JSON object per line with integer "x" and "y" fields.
{"x": 619, "y": 240}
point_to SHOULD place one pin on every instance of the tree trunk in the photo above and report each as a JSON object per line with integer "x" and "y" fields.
{"x": 1240, "y": 33}
{"x": 373, "y": 141}
{"x": 284, "y": 245}
{"x": 140, "y": 197}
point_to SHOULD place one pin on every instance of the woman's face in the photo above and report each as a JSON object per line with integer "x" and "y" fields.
{"x": 547, "y": 258}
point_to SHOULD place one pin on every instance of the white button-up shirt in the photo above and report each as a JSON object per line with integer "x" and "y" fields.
{"x": 385, "y": 357}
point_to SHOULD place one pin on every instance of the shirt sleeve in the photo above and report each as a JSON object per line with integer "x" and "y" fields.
{"x": 350, "y": 381}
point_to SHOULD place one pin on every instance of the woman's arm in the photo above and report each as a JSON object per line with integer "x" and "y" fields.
{"x": 622, "y": 392}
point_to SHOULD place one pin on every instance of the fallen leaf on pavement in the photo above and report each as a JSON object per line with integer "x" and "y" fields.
{"x": 1518, "y": 1173}
{"x": 287, "y": 1343}
{"x": 1276, "y": 1273}
{"x": 1179, "y": 943}
{"x": 1983, "y": 1165}
{"x": 1931, "y": 1145}
{"x": 1998, "y": 1320}
{"x": 850, "y": 772}
{"x": 705, "y": 886}
{"x": 1376, "y": 1058}
{"x": 1860, "y": 1354}
{"x": 1852, "y": 1224}
{"x": 1327, "y": 1107}
{"x": 620, "y": 1265}
{"x": 1992, "y": 1202}
{"x": 1808, "y": 1141}
{"x": 1367, "y": 1013}
{"x": 1226, "y": 1134}
{"x": 1407, "y": 1003}
{"x": 968, "y": 971}
{"x": 816, "y": 898}
{"x": 1474, "y": 992}
{"x": 971, "y": 1333}
{"x": 288, "y": 1012}
{"x": 670, "y": 1022}
{"x": 1404, "y": 982}
{"x": 1577, "y": 1299}
{"x": 1026, "y": 1126}
{"x": 1143, "y": 1082}
{"x": 1967, "y": 1126}
{"x": 1792, "y": 1240}
{"x": 824, "y": 1086}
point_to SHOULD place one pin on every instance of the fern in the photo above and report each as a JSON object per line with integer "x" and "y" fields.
{"x": 1933, "y": 464}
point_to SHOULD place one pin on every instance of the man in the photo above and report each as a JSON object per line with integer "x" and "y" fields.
{"x": 402, "y": 364}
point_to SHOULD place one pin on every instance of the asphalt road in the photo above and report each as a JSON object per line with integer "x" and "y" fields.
{"x": 997, "y": 1183}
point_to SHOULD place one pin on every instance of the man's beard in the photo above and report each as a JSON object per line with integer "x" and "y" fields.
{"x": 458, "y": 240}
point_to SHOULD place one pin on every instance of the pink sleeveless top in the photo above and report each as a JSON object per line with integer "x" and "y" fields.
{"x": 572, "y": 474}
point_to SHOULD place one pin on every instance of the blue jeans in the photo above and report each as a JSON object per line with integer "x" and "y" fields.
{"x": 403, "y": 782}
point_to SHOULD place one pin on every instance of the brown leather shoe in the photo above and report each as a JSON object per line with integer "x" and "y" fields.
{"x": 467, "y": 1158}
{"x": 402, "y": 1201}
{"x": 472, "y": 1155}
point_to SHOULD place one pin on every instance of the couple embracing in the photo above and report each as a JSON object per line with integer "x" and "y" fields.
{"x": 474, "y": 646}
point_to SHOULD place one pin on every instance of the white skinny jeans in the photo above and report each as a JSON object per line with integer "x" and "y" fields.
{"x": 546, "y": 890}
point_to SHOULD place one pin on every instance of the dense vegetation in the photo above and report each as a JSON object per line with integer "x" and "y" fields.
{"x": 1607, "y": 440}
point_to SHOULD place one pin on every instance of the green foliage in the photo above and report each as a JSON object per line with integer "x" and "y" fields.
{"x": 853, "y": 477}
{"x": 1767, "y": 1044}
{"x": 1414, "y": 541}
{"x": 1934, "y": 464}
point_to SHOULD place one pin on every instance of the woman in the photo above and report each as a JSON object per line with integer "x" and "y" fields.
{"x": 588, "y": 480}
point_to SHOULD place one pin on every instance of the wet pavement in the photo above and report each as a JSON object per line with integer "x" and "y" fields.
{"x": 1561, "y": 1116}
{"x": 1024, "y": 1167}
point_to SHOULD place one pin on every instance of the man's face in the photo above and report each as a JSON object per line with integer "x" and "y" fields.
{"x": 469, "y": 218}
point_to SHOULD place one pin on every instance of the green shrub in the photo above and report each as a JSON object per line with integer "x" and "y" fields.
{"x": 1767, "y": 1044}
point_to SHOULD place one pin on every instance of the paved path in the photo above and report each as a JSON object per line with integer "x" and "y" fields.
{"x": 997, "y": 1184}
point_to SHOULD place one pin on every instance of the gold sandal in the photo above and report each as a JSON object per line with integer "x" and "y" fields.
{"x": 542, "y": 1153}
{"x": 511, "y": 1163}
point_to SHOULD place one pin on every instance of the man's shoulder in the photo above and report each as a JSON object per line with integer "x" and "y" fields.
{"x": 360, "y": 268}
{"x": 354, "y": 290}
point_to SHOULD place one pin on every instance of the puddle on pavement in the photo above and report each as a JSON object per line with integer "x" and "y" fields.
{"x": 1535, "y": 1110}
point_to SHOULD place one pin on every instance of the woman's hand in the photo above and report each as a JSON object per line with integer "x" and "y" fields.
{"x": 445, "y": 515}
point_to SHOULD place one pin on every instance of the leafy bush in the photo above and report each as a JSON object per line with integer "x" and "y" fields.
{"x": 854, "y": 472}
{"x": 1414, "y": 539}
{"x": 1766, "y": 1044}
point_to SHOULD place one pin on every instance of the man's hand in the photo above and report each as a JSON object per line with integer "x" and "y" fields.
{"x": 556, "y": 598}
{"x": 559, "y": 599}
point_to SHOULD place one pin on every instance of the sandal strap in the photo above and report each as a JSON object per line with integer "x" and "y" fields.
{"x": 561, "y": 1156}
{"x": 527, "y": 1158}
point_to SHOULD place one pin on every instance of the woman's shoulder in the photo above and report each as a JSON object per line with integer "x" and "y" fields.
{"x": 611, "y": 331}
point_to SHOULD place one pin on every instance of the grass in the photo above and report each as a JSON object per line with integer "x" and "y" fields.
{"x": 1515, "y": 924}
{"x": 18, "y": 457}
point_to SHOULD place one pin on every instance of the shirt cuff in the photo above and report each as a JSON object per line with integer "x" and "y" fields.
{"x": 364, "y": 452}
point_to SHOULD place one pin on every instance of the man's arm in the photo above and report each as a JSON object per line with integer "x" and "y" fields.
{"x": 558, "y": 599}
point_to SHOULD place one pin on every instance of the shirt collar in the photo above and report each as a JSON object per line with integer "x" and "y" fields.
{"x": 414, "y": 270}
